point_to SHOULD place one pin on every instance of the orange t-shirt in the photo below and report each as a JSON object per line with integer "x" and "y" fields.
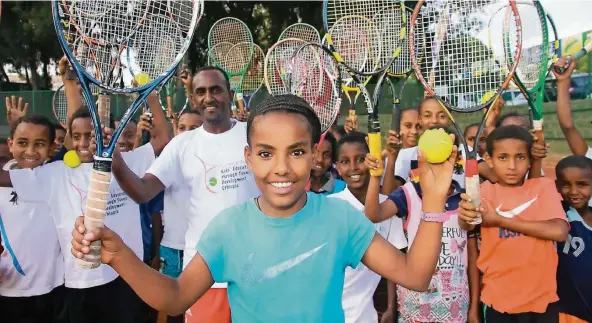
{"x": 519, "y": 271}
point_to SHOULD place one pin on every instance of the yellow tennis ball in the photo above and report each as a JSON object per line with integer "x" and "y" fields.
{"x": 71, "y": 159}
{"x": 487, "y": 96}
{"x": 142, "y": 79}
{"x": 436, "y": 145}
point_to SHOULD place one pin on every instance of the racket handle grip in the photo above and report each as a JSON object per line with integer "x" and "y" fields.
{"x": 473, "y": 185}
{"x": 375, "y": 145}
{"x": 94, "y": 215}
{"x": 146, "y": 136}
{"x": 240, "y": 102}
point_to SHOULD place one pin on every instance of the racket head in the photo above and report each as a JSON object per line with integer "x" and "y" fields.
{"x": 391, "y": 23}
{"x": 236, "y": 63}
{"x": 356, "y": 41}
{"x": 302, "y": 31}
{"x": 60, "y": 106}
{"x": 234, "y": 31}
{"x": 99, "y": 53}
{"x": 253, "y": 79}
{"x": 315, "y": 77}
{"x": 333, "y": 10}
{"x": 277, "y": 64}
{"x": 456, "y": 68}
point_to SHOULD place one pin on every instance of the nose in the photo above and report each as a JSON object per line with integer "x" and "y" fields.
{"x": 85, "y": 141}
{"x": 512, "y": 163}
{"x": 281, "y": 166}
{"x": 30, "y": 149}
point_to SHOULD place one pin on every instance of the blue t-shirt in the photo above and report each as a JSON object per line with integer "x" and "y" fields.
{"x": 146, "y": 210}
{"x": 286, "y": 269}
{"x": 574, "y": 286}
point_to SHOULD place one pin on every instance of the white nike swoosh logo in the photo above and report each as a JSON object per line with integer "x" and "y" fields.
{"x": 517, "y": 210}
{"x": 274, "y": 271}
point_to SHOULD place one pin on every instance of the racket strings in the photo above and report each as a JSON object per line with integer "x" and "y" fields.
{"x": 302, "y": 31}
{"x": 234, "y": 32}
{"x": 529, "y": 67}
{"x": 60, "y": 105}
{"x": 113, "y": 38}
{"x": 278, "y": 63}
{"x": 358, "y": 42}
{"x": 457, "y": 66}
{"x": 315, "y": 78}
{"x": 390, "y": 23}
{"x": 255, "y": 73}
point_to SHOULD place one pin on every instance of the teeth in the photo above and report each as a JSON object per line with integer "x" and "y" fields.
{"x": 29, "y": 160}
{"x": 281, "y": 184}
{"x": 355, "y": 177}
{"x": 318, "y": 166}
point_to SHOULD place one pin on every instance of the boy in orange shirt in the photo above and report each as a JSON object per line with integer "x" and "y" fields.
{"x": 521, "y": 220}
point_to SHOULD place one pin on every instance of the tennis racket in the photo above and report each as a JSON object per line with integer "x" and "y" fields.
{"x": 148, "y": 38}
{"x": 456, "y": 65}
{"x": 315, "y": 76}
{"x": 235, "y": 61}
{"x": 60, "y": 106}
{"x": 400, "y": 69}
{"x": 356, "y": 45}
{"x": 253, "y": 81}
{"x": 532, "y": 67}
{"x": 278, "y": 63}
{"x": 302, "y": 31}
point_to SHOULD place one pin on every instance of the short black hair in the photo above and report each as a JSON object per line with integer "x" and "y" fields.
{"x": 509, "y": 132}
{"x": 574, "y": 161}
{"x": 190, "y": 111}
{"x": 58, "y": 126}
{"x": 425, "y": 99}
{"x": 340, "y": 130}
{"x": 476, "y": 124}
{"x": 81, "y": 113}
{"x": 287, "y": 103}
{"x": 214, "y": 68}
{"x": 513, "y": 114}
{"x": 354, "y": 137}
{"x": 36, "y": 119}
{"x": 330, "y": 138}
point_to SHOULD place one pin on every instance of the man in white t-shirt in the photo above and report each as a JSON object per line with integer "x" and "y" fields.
{"x": 208, "y": 165}
{"x": 92, "y": 295}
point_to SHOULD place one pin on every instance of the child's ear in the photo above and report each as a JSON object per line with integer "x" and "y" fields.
{"x": 488, "y": 160}
{"x": 248, "y": 156}
{"x": 9, "y": 142}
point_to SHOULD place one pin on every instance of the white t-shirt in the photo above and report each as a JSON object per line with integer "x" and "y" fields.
{"x": 360, "y": 283}
{"x": 32, "y": 261}
{"x": 407, "y": 155}
{"x": 213, "y": 168}
{"x": 65, "y": 189}
{"x": 174, "y": 218}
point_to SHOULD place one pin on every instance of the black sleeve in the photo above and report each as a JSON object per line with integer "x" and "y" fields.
{"x": 59, "y": 155}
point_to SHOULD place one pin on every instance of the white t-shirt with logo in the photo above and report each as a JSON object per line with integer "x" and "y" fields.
{"x": 213, "y": 169}
{"x": 360, "y": 283}
{"x": 174, "y": 218}
{"x": 32, "y": 261}
{"x": 65, "y": 190}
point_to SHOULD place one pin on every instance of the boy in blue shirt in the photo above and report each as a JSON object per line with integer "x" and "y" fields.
{"x": 284, "y": 253}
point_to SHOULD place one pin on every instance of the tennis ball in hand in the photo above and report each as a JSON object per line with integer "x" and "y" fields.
{"x": 71, "y": 159}
{"x": 436, "y": 145}
{"x": 142, "y": 79}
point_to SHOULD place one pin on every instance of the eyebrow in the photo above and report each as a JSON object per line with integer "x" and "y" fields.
{"x": 292, "y": 146}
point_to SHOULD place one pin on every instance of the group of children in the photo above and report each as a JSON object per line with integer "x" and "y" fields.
{"x": 215, "y": 224}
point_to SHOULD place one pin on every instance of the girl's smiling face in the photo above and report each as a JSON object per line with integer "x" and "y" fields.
{"x": 410, "y": 128}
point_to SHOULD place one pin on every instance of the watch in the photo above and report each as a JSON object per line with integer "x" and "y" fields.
{"x": 434, "y": 217}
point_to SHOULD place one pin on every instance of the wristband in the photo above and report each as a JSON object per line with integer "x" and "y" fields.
{"x": 434, "y": 217}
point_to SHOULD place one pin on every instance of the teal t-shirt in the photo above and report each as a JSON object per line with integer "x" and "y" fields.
{"x": 286, "y": 269}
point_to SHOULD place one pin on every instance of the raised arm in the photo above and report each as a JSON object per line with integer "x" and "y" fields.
{"x": 163, "y": 293}
{"x": 160, "y": 131}
{"x": 574, "y": 138}
{"x": 141, "y": 190}
{"x": 415, "y": 270}
{"x": 389, "y": 182}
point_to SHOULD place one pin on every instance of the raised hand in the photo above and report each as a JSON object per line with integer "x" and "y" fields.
{"x": 435, "y": 179}
{"x": 567, "y": 64}
{"x": 15, "y": 109}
